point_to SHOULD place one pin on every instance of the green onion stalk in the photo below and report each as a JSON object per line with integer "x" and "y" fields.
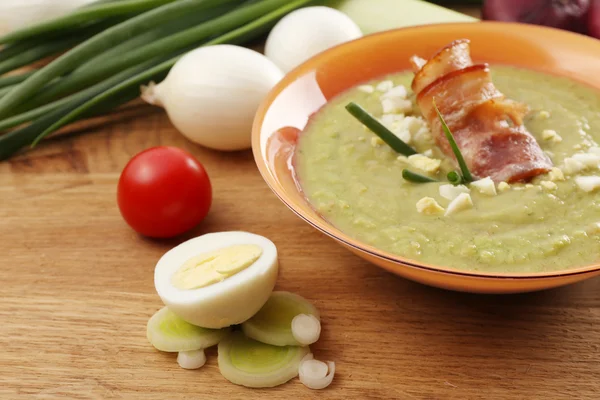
{"x": 120, "y": 89}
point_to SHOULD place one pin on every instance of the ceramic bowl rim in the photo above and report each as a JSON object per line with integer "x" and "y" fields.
{"x": 328, "y": 228}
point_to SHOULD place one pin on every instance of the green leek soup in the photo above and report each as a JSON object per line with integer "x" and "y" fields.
{"x": 354, "y": 180}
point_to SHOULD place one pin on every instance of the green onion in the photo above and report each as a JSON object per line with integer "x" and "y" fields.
{"x": 192, "y": 36}
{"x": 17, "y": 48}
{"x": 14, "y": 79}
{"x": 416, "y": 178}
{"x": 99, "y": 43}
{"x": 83, "y": 15}
{"x": 34, "y": 52}
{"x": 160, "y": 32}
{"x": 69, "y": 83}
{"x": 455, "y": 178}
{"x": 245, "y": 33}
{"x": 15, "y": 140}
{"x": 5, "y": 90}
{"x": 84, "y": 94}
{"x": 38, "y": 53}
{"x": 467, "y": 177}
{"x": 379, "y": 129}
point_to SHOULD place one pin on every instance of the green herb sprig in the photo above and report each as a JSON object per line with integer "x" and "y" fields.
{"x": 416, "y": 178}
{"x": 379, "y": 129}
{"x": 466, "y": 174}
{"x": 401, "y": 147}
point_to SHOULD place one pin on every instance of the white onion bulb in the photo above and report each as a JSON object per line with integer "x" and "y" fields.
{"x": 315, "y": 374}
{"x": 212, "y": 94}
{"x": 191, "y": 359}
{"x": 306, "y": 32}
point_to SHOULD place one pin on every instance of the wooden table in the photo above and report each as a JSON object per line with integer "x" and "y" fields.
{"x": 77, "y": 291}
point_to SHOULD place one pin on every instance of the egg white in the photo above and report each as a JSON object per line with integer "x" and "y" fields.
{"x": 230, "y": 302}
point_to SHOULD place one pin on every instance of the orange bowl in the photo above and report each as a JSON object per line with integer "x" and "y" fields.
{"x": 306, "y": 89}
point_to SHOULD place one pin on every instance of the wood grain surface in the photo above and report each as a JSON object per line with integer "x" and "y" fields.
{"x": 76, "y": 288}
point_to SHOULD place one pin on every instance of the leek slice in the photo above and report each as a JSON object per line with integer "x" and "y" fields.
{"x": 167, "y": 332}
{"x": 315, "y": 374}
{"x": 306, "y": 329}
{"x": 247, "y": 362}
{"x": 191, "y": 359}
{"x": 273, "y": 322}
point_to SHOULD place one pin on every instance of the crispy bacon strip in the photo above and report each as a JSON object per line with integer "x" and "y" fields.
{"x": 488, "y": 128}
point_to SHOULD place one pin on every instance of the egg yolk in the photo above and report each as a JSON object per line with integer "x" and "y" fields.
{"x": 216, "y": 266}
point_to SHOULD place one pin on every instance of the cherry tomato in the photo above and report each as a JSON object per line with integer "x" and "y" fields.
{"x": 164, "y": 192}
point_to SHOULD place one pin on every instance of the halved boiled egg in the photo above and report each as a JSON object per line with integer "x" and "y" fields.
{"x": 218, "y": 279}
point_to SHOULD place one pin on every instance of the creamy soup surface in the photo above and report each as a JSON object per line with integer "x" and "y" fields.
{"x": 354, "y": 180}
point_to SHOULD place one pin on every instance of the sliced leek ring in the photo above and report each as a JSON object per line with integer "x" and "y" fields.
{"x": 273, "y": 322}
{"x": 167, "y": 332}
{"x": 306, "y": 329}
{"x": 191, "y": 359}
{"x": 247, "y": 362}
{"x": 315, "y": 374}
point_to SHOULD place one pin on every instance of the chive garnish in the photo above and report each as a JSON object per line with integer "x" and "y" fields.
{"x": 416, "y": 178}
{"x": 379, "y": 129}
{"x": 467, "y": 177}
{"x": 454, "y": 178}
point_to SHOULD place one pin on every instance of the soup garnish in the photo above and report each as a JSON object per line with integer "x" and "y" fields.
{"x": 379, "y": 129}
{"x": 487, "y": 126}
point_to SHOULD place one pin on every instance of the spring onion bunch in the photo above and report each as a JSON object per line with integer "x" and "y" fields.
{"x": 103, "y": 52}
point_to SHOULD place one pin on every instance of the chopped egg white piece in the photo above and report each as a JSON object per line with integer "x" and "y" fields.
{"x": 396, "y": 104}
{"x": 403, "y": 135}
{"x": 594, "y": 150}
{"x": 589, "y": 160}
{"x": 503, "y": 187}
{"x": 366, "y": 88}
{"x": 398, "y": 91}
{"x": 451, "y": 192}
{"x": 572, "y": 166}
{"x": 395, "y": 123}
{"x": 390, "y": 119}
{"x": 551, "y": 135}
{"x": 588, "y": 183}
{"x": 549, "y": 185}
{"x": 594, "y": 229}
{"x": 556, "y": 174}
{"x": 415, "y": 125}
{"x": 485, "y": 186}
{"x": 376, "y": 141}
{"x": 428, "y": 153}
{"x": 460, "y": 203}
{"x": 544, "y": 114}
{"x": 428, "y": 206}
{"x": 407, "y": 128}
{"x": 424, "y": 163}
{"x": 385, "y": 86}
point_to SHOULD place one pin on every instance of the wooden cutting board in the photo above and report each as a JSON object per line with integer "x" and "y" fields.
{"x": 76, "y": 288}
